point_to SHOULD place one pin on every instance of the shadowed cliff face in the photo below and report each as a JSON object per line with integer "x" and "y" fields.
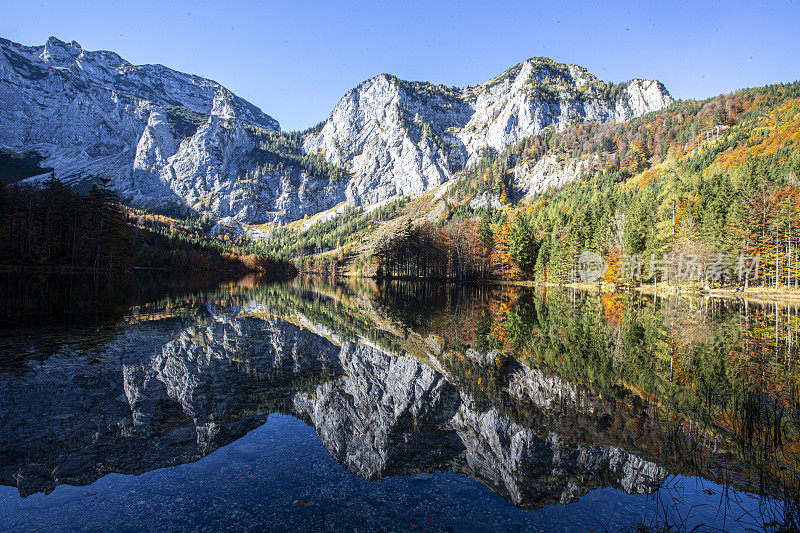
{"x": 167, "y": 390}
{"x": 166, "y": 140}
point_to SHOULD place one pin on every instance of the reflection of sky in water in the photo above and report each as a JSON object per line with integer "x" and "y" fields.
{"x": 280, "y": 477}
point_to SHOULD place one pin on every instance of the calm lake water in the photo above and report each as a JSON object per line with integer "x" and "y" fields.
{"x": 135, "y": 404}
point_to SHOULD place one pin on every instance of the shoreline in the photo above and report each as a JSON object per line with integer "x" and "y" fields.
{"x": 784, "y": 294}
{"x": 15, "y": 269}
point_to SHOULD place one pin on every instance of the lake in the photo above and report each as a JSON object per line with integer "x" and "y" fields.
{"x": 198, "y": 403}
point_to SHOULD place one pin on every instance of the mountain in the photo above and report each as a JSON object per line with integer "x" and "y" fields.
{"x": 166, "y": 140}
{"x": 708, "y": 178}
{"x": 172, "y": 141}
{"x": 403, "y": 138}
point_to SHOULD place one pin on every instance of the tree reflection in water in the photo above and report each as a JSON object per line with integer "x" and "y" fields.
{"x": 542, "y": 396}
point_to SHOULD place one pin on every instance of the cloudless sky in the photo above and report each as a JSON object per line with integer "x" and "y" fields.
{"x": 295, "y": 59}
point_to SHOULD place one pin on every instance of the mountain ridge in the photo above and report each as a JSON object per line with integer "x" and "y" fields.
{"x": 59, "y": 54}
{"x": 448, "y": 127}
{"x": 174, "y": 141}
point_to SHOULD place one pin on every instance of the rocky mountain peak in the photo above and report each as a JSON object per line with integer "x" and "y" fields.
{"x": 91, "y": 113}
{"x": 400, "y": 137}
{"x": 59, "y": 53}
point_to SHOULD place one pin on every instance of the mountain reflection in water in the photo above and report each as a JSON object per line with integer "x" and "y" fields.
{"x": 543, "y": 397}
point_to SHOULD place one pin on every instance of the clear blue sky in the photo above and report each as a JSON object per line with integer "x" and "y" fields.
{"x": 296, "y": 59}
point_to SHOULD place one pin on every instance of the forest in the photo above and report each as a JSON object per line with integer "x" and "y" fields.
{"x": 352, "y": 225}
{"x": 53, "y": 227}
{"x": 708, "y": 180}
{"x": 282, "y": 152}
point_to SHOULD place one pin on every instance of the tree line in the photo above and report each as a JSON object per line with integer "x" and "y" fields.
{"x": 54, "y": 227}
{"x": 460, "y": 249}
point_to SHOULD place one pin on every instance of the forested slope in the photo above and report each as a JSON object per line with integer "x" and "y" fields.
{"x": 724, "y": 169}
